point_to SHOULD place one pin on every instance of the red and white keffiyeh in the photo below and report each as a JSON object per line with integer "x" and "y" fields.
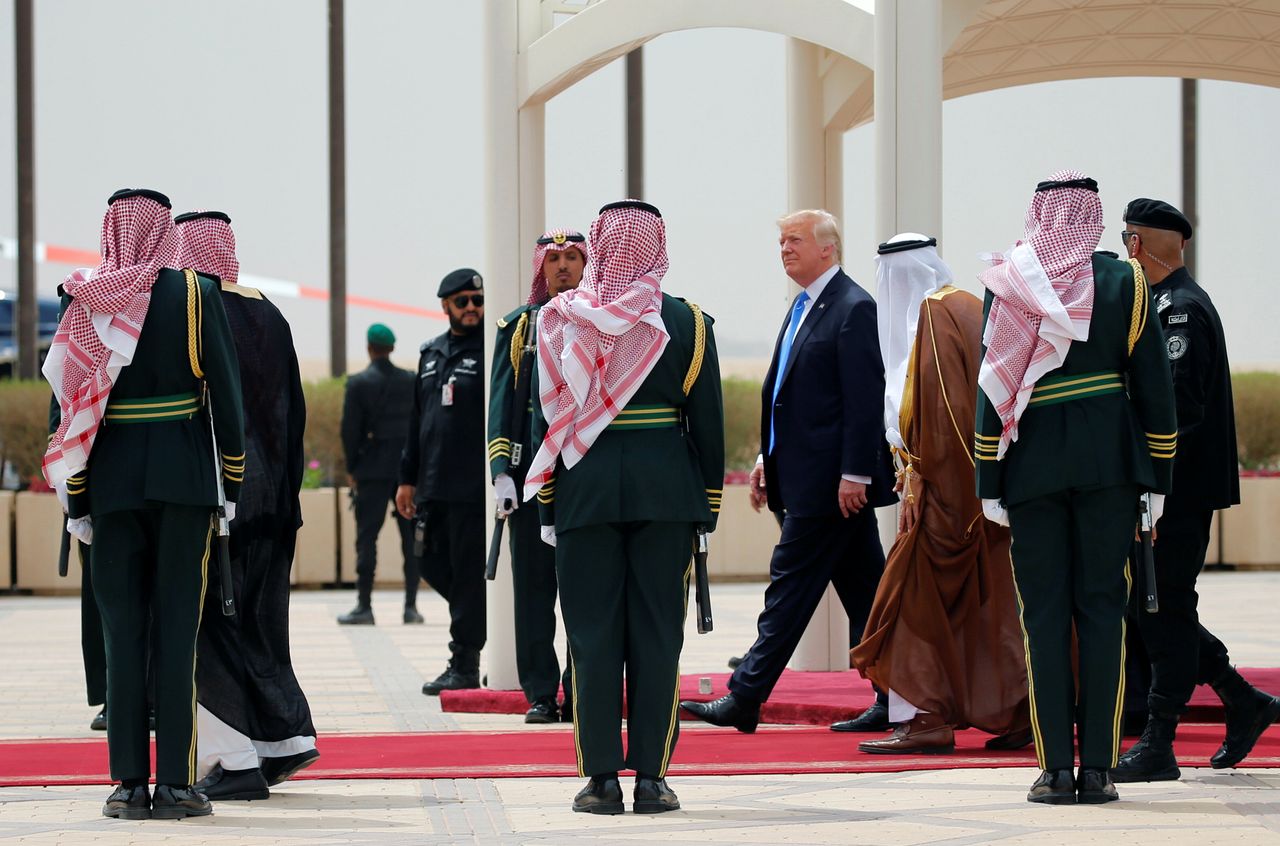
{"x": 557, "y": 240}
{"x": 1043, "y": 298}
{"x": 98, "y": 334}
{"x": 207, "y": 245}
{"x": 598, "y": 342}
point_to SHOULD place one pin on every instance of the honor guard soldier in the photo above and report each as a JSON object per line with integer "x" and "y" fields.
{"x": 442, "y": 475}
{"x": 1183, "y": 653}
{"x": 1075, "y": 422}
{"x": 558, "y": 261}
{"x": 141, "y": 354}
{"x": 631, "y": 465}
{"x": 375, "y": 421}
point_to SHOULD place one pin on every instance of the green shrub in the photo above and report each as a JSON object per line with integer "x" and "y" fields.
{"x": 24, "y": 425}
{"x": 741, "y": 423}
{"x": 1257, "y": 397}
{"x": 322, "y": 441}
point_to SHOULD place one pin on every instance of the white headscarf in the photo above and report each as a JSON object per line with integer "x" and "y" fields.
{"x": 904, "y": 277}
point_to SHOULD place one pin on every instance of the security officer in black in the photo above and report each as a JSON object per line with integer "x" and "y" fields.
{"x": 443, "y": 479}
{"x": 375, "y": 421}
{"x": 1182, "y": 652}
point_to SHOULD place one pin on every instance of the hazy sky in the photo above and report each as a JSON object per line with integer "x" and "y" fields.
{"x": 222, "y": 105}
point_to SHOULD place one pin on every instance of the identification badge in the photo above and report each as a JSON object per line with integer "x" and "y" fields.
{"x": 446, "y": 393}
{"x": 1177, "y": 318}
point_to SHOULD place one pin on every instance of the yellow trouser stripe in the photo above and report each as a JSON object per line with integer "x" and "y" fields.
{"x": 204, "y": 584}
{"x": 1031, "y": 678}
{"x": 675, "y": 698}
{"x": 1119, "y": 714}
{"x": 577, "y": 740}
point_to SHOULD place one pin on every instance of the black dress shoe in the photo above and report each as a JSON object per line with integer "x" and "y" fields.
{"x": 875, "y": 718}
{"x": 600, "y": 797}
{"x": 728, "y": 710}
{"x": 128, "y": 803}
{"x": 411, "y": 616}
{"x": 276, "y": 770}
{"x": 1054, "y": 787}
{"x": 454, "y": 677}
{"x": 1016, "y": 739}
{"x": 233, "y": 784}
{"x": 652, "y": 796}
{"x": 174, "y": 803}
{"x": 543, "y": 711}
{"x": 99, "y": 723}
{"x": 1094, "y": 786}
{"x": 361, "y": 615}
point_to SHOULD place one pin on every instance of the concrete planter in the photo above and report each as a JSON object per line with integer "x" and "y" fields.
{"x": 38, "y": 522}
{"x": 390, "y": 571}
{"x": 1249, "y": 530}
{"x": 315, "y": 559}
{"x": 6, "y": 535}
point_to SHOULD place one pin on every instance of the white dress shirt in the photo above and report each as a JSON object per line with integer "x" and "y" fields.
{"x": 815, "y": 289}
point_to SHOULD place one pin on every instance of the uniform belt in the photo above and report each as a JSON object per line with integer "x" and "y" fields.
{"x": 646, "y": 417}
{"x": 1055, "y": 389}
{"x": 153, "y": 409}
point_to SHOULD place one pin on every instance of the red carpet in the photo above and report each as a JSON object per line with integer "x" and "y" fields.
{"x": 516, "y": 754}
{"x": 814, "y": 698}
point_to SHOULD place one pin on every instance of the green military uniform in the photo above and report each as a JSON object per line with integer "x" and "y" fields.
{"x": 533, "y": 563}
{"x": 1097, "y": 432}
{"x": 150, "y": 489}
{"x": 625, "y": 518}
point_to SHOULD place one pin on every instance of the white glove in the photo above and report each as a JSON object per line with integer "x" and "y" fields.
{"x": 995, "y": 512}
{"x": 1157, "y": 507}
{"x": 81, "y": 529}
{"x": 504, "y": 494}
{"x": 549, "y": 535}
{"x": 231, "y": 511}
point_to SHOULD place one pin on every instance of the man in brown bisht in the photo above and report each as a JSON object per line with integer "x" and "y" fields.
{"x": 943, "y": 635}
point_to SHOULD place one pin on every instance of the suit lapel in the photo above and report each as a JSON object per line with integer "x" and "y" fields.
{"x": 816, "y": 313}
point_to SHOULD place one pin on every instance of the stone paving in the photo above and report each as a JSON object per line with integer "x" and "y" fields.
{"x": 368, "y": 679}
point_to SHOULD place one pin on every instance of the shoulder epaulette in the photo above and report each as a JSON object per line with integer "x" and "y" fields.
{"x": 1141, "y": 301}
{"x": 505, "y": 321}
{"x": 699, "y": 346}
{"x": 242, "y": 290}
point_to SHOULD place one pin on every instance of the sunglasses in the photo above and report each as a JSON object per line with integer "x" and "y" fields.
{"x": 1126, "y": 235}
{"x": 468, "y": 299}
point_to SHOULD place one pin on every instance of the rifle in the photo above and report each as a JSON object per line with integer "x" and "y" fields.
{"x": 516, "y": 429}
{"x": 1150, "y": 602}
{"x": 224, "y": 530}
{"x": 702, "y": 590}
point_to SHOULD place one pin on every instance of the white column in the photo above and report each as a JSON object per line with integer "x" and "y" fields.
{"x": 908, "y": 117}
{"x": 813, "y": 181}
{"x": 505, "y": 136}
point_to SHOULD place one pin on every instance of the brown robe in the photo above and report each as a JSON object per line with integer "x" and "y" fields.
{"x": 943, "y": 631}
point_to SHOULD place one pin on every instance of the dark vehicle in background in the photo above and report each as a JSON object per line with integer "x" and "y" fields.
{"x": 46, "y": 325}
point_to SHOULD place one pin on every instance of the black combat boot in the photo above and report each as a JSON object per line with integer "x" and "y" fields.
{"x": 1248, "y": 711}
{"x": 1151, "y": 758}
{"x": 463, "y": 673}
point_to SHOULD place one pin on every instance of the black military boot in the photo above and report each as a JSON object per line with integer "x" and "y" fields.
{"x": 361, "y": 615}
{"x": 463, "y": 673}
{"x": 1248, "y": 713}
{"x": 1151, "y": 758}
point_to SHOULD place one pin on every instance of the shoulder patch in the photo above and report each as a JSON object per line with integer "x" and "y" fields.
{"x": 1163, "y": 301}
{"x": 1176, "y": 346}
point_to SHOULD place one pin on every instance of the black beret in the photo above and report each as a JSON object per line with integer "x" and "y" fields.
{"x": 631, "y": 204}
{"x": 462, "y": 279}
{"x": 214, "y": 215}
{"x": 1158, "y": 215}
{"x": 902, "y": 246}
{"x": 124, "y": 193}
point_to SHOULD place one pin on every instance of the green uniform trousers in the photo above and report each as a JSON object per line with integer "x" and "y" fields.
{"x": 533, "y": 579}
{"x": 1070, "y": 566}
{"x": 149, "y": 569}
{"x": 623, "y": 592}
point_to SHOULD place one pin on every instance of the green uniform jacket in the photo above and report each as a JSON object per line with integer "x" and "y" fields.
{"x": 675, "y": 473}
{"x": 1086, "y": 433}
{"x": 136, "y": 460}
{"x": 507, "y": 352}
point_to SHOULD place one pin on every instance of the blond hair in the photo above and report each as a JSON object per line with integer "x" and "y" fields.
{"x": 826, "y": 229}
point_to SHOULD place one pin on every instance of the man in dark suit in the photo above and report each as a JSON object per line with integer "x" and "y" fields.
{"x": 823, "y": 464}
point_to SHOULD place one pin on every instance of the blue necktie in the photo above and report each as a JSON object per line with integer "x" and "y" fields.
{"x": 784, "y": 353}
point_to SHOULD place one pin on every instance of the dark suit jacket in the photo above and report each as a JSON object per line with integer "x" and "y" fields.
{"x": 829, "y": 410}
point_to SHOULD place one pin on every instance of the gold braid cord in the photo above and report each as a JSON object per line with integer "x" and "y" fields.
{"x": 193, "y": 329}
{"x": 517, "y": 343}
{"x": 699, "y": 347}
{"x": 1138, "y": 320}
